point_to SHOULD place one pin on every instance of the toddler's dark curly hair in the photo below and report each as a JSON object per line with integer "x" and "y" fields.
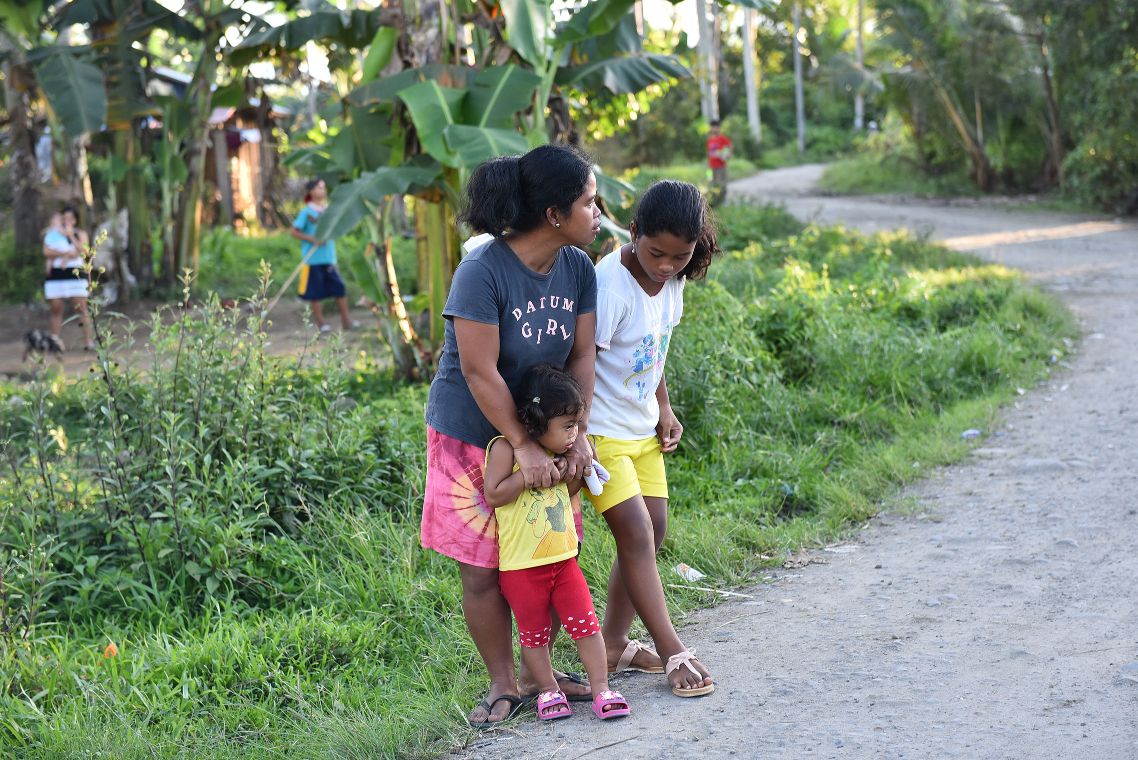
{"x": 547, "y": 392}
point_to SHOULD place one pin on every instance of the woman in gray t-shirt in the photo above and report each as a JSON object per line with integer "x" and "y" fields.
{"x": 525, "y": 298}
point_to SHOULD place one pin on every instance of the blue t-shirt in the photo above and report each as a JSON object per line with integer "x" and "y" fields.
{"x": 536, "y": 315}
{"x": 306, "y": 222}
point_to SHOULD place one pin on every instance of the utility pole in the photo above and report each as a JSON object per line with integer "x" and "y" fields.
{"x": 799, "y": 105}
{"x": 859, "y": 98}
{"x": 753, "y": 117}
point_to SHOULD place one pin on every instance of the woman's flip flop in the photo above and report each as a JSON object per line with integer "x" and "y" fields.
{"x": 683, "y": 659}
{"x": 516, "y": 704}
{"x": 629, "y": 654}
{"x": 610, "y": 704}
{"x": 552, "y": 705}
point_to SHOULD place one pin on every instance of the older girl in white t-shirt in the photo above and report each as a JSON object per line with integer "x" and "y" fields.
{"x": 639, "y": 303}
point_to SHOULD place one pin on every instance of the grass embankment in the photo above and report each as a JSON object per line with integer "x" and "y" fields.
{"x": 245, "y": 530}
{"x": 875, "y": 173}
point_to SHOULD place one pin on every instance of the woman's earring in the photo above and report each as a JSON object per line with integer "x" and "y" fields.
{"x": 557, "y": 225}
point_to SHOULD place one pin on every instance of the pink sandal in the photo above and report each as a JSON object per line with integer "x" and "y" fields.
{"x": 552, "y": 705}
{"x": 615, "y": 702}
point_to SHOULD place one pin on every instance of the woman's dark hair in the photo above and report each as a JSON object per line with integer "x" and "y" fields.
{"x": 308, "y": 188}
{"x": 679, "y": 208}
{"x": 547, "y": 392}
{"x": 512, "y": 193}
{"x": 69, "y": 209}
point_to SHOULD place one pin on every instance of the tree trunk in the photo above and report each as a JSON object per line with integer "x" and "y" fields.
{"x": 707, "y": 69}
{"x": 753, "y": 118}
{"x": 981, "y": 167}
{"x": 24, "y": 172}
{"x": 859, "y": 60}
{"x": 1055, "y": 125}
{"x": 437, "y": 243}
{"x": 188, "y": 219}
{"x": 799, "y": 102}
{"x": 137, "y": 204}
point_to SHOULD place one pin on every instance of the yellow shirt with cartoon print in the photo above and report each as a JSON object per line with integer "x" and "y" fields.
{"x": 536, "y": 528}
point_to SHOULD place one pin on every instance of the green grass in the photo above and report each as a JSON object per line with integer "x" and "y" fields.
{"x": 870, "y": 173}
{"x": 304, "y": 620}
{"x": 695, "y": 172}
{"x": 229, "y": 261}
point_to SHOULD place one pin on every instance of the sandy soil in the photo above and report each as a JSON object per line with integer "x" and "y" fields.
{"x": 994, "y": 617}
{"x": 287, "y": 333}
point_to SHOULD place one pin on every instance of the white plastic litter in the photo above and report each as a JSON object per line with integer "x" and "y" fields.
{"x": 689, "y": 573}
{"x": 596, "y": 479}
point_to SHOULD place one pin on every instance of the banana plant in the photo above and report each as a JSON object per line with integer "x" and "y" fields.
{"x": 461, "y": 118}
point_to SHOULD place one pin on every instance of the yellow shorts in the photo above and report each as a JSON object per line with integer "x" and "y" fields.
{"x": 634, "y": 467}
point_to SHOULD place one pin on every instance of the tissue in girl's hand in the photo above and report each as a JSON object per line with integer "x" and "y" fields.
{"x": 596, "y": 479}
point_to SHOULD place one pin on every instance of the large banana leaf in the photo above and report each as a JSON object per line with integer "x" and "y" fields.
{"x": 595, "y": 19}
{"x": 352, "y": 201}
{"x": 133, "y": 15}
{"x": 433, "y": 108}
{"x": 379, "y": 53}
{"x": 759, "y": 5}
{"x": 528, "y": 27}
{"x": 623, "y": 75}
{"x": 616, "y": 193}
{"x": 473, "y": 145}
{"x": 497, "y": 94}
{"x": 74, "y": 89}
{"x": 386, "y": 90}
{"x": 353, "y": 29}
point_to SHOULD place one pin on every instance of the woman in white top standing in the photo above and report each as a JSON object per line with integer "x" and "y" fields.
{"x": 640, "y": 300}
{"x": 64, "y": 245}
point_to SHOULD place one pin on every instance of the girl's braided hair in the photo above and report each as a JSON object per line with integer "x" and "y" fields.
{"x": 547, "y": 392}
{"x": 679, "y": 208}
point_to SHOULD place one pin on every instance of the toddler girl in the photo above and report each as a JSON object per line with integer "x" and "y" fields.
{"x": 537, "y": 544}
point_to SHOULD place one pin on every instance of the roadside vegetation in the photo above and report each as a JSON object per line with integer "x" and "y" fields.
{"x": 209, "y": 552}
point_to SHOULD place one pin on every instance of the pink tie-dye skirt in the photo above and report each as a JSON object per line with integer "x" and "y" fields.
{"x": 457, "y": 522}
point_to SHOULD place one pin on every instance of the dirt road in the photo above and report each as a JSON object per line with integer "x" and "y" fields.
{"x": 996, "y": 619}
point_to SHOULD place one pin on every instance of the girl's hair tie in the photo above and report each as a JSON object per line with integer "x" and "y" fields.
{"x": 537, "y": 399}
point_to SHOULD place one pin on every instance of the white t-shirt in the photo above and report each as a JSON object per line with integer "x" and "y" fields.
{"x": 635, "y": 330}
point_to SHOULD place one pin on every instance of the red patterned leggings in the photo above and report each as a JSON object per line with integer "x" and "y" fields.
{"x": 531, "y": 592}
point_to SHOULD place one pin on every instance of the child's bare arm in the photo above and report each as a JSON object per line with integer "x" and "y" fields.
{"x": 501, "y": 483}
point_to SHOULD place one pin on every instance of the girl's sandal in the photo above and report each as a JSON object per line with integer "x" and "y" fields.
{"x": 684, "y": 659}
{"x": 552, "y": 705}
{"x": 629, "y": 654}
{"x": 610, "y": 704}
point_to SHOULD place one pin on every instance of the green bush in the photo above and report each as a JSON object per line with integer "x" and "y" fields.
{"x": 23, "y": 279}
{"x": 245, "y": 528}
{"x": 230, "y": 261}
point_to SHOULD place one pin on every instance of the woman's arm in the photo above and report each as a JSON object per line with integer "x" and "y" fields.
{"x": 582, "y": 364}
{"x": 478, "y": 349}
{"x": 668, "y": 429}
{"x": 501, "y": 483}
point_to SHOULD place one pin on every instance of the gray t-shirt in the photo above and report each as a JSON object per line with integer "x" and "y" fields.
{"x": 536, "y": 316}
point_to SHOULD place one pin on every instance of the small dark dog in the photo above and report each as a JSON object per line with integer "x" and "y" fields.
{"x": 40, "y": 343}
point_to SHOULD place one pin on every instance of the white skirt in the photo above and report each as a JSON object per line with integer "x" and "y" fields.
{"x": 70, "y": 288}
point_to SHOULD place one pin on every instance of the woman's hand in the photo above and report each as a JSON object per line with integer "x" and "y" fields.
{"x": 578, "y": 458}
{"x": 536, "y": 466}
{"x": 669, "y": 430}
